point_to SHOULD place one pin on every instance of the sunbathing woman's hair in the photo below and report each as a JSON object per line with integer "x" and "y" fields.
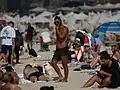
{"x": 28, "y": 65}
{"x": 9, "y": 68}
{"x": 1, "y": 74}
{"x": 47, "y": 88}
{"x": 57, "y": 17}
{"x": 104, "y": 55}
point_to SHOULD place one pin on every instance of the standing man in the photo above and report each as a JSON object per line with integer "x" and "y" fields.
{"x": 61, "y": 52}
{"x": 7, "y": 39}
{"x": 18, "y": 44}
{"x": 29, "y": 36}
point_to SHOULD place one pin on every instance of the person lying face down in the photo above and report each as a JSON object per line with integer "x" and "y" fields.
{"x": 109, "y": 74}
{"x": 34, "y": 73}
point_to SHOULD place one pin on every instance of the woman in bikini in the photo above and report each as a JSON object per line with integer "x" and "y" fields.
{"x": 34, "y": 73}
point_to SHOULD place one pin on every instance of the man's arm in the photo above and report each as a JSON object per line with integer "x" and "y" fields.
{"x": 62, "y": 34}
{"x": 101, "y": 72}
{"x": 117, "y": 54}
{"x": 25, "y": 77}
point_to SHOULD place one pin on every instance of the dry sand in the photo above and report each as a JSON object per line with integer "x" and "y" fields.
{"x": 75, "y": 80}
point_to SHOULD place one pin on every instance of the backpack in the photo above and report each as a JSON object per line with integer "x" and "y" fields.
{"x": 32, "y": 52}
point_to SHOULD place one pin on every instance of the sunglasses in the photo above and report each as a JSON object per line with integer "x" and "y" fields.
{"x": 56, "y": 22}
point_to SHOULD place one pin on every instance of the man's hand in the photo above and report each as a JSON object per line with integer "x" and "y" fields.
{"x": 103, "y": 73}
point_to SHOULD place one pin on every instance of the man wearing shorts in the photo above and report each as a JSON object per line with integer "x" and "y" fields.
{"x": 7, "y": 39}
{"x": 61, "y": 52}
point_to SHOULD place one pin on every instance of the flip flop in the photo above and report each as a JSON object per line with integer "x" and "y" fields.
{"x": 59, "y": 80}
{"x": 77, "y": 69}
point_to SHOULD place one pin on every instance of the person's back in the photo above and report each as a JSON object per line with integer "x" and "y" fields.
{"x": 5, "y": 87}
{"x": 19, "y": 39}
{"x": 28, "y": 70}
{"x": 10, "y": 86}
{"x": 30, "y": 32}
{"x": 7, "y": 34}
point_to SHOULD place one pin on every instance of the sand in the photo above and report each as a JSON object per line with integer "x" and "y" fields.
{"x": 75, "y": 80}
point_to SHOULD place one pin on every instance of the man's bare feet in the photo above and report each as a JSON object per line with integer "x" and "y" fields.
{"x": 59, "y": 79}
{"x": 62, "y": 80}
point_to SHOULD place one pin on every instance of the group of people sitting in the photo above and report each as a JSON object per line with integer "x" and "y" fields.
{"x": 109, "y": 73}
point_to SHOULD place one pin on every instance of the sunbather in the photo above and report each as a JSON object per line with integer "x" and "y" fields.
{"x": 34, "y": 73}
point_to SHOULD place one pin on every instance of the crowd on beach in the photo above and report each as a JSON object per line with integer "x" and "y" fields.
{"x": 82, "y": 53}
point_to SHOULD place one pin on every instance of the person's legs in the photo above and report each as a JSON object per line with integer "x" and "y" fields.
{"x": 92, "y": 80}
{"x": 93, "y": 63}
{"x": 9, "y": 55}
{"x": 56, "y": 68}
{"x": 65, "y": 66}
{"x": 105, "y": 82}
{"x": 17, "y": 54}
{"x": 29, "y": 44}
{"x": 4, "y": 53}
{"x": 43, "y": 78}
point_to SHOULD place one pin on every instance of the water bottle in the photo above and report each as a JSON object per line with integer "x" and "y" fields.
{"x": 47, "y": 68}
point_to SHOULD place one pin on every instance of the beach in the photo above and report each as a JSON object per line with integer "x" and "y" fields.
{"x": 75, "y": 80}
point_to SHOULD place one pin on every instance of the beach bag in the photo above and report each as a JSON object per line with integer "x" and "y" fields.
{"x": 32, "y": 52}
{"x": 86, "y": 39}
{"x": 47, "y": 69}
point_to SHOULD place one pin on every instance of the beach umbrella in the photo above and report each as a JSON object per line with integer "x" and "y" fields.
{"x": 115, "y": 18}
{"x": 37, "y": 9}
{"x": 109, "y": 27}
{"x": 46, "y": 13}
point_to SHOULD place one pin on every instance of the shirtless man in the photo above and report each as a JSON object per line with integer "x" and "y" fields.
{"x": 9, "y": 85}
{"x": 61, "y": 52}
{"x": 34, "y": 74}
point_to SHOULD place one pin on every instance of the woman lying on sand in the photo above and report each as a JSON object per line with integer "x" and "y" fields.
{"x": 34, "y": 73}
{"x": 109, "y": 74}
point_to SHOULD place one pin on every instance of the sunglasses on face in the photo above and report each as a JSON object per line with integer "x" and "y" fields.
{"x": 56, "y": 22}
